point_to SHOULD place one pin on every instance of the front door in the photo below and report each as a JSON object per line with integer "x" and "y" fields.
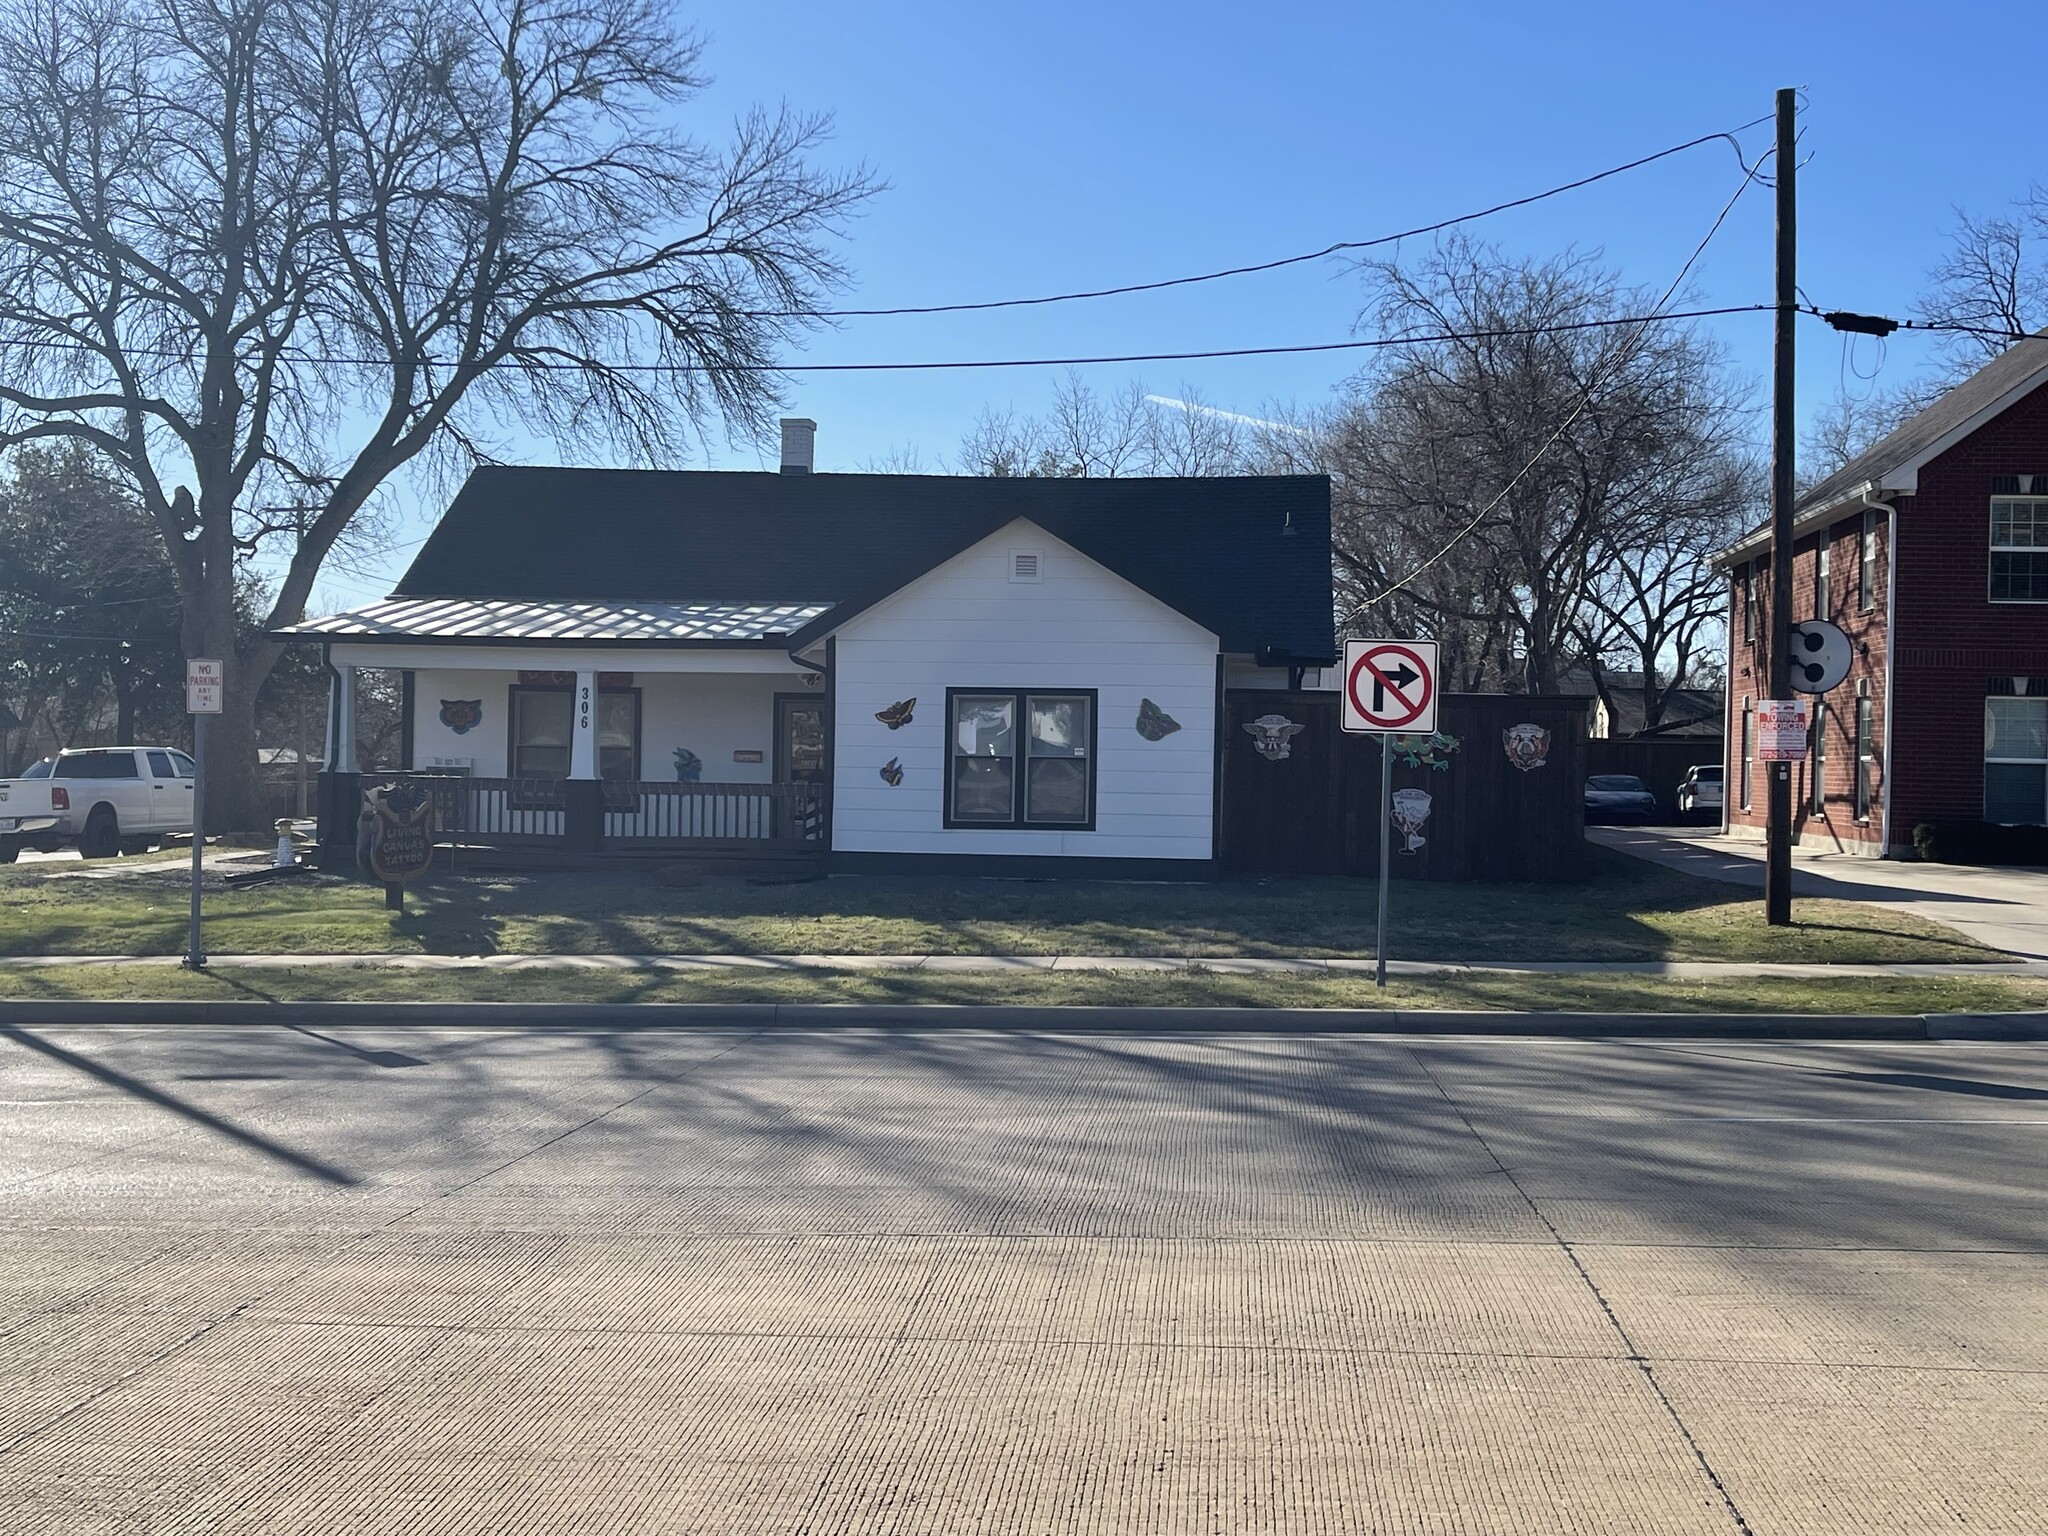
{"x": 801, "y": 723}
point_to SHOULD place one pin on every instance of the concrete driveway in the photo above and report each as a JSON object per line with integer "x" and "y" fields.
{"x": 274, "y": 1282}
{"x": 2006, "y": 908}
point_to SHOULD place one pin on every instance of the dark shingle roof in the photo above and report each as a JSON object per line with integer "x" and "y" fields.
{"x": 1214, "y": 549}
{"x": 2016, "y": 368}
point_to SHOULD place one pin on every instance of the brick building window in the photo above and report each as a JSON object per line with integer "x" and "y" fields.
{"x": 1820, "y": 579}
{"x": 1866, "y": 752}
{"x": 1748, "y": 745}
{"x": 1820, "y": 757}
{"x": 1749, "y": 605}
{"x": 1866, "y": 564}
{"x": 2019, "y": 549}
{"x": 2016, "y": 760}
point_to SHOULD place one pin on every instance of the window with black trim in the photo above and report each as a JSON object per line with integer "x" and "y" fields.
{"x": 1020, "y": 758}
{"x": 542, "y": 722}
{"x": 1820, "y": 578}
{"x": 1866, "y": 565}
{"x": 2019, "y": 549}
{"x": 1749, "y": 605}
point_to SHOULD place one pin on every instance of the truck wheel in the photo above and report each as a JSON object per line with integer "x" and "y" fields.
{"x": 101, "y": 838}
{"x": 9, "y": 852}
{"x": 131, "y": 846}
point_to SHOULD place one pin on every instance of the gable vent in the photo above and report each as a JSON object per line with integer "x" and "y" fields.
{"x": 1025, "y": 565}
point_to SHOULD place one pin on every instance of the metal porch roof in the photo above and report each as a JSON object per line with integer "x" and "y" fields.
{"x": 495, "y": 621}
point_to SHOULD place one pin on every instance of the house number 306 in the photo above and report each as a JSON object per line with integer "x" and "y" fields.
{"x": 583, "y": 710}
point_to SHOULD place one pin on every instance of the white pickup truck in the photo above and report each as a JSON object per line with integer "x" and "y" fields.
{"x": 107, "y": 800}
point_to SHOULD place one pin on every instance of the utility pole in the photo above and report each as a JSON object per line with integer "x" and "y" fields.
{"x": 1777, "y": 635}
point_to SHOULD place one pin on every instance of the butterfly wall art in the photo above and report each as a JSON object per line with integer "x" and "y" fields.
{"x": 897, "y": 715}
{"x": 892, "y": 772}
{"x": 1154, "y": 723}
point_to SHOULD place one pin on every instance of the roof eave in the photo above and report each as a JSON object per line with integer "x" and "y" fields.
{"x": 1898, "y": 483}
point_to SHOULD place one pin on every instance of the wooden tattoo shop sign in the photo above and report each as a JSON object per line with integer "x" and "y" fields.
{"x": 402, "y": 834}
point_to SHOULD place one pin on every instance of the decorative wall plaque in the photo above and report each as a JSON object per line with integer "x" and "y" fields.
{"x": 1272, "y": 736}
{"x": 1154, "y": 723}
{"x": 1527, "y": 745}
{"x": 462, "y": 715}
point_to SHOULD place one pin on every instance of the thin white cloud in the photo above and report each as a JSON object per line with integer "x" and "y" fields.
{"x": 1210, "y": 410}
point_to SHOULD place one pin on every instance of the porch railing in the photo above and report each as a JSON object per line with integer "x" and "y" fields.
{"x": 524, "y": 812}
{"x": 651, "y": 814}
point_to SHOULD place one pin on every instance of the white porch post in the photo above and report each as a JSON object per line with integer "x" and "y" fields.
{"x": 341, "y": 752}
{"x": 583, "y": 728}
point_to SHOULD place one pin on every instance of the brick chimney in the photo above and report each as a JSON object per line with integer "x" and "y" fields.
{"x": 799, "y": 444}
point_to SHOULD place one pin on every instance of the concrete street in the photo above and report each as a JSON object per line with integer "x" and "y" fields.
{"x": 273, "y": 1280}
{"x": 2000, "y": 905}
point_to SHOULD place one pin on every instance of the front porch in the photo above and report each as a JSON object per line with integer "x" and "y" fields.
{"x": 562, "y": 822}
{"x": 552, "y": 756}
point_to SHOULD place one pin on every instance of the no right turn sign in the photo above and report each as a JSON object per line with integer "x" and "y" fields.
{"x": 1390, "y": 685}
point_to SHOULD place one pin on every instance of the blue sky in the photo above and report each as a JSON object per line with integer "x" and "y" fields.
{"x": 1041, "y": 148}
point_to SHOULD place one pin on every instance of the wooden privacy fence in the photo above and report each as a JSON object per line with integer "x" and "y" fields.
{"x": 1661, "y": 762}
{"x": 1496, "y": 795}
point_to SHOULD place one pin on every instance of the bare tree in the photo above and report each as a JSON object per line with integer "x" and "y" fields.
{"x": 1848, "y": 424}
{"x": 1993, "y": 280}
{"x": 1541, "y": 483}
{"x": 1085, "y": 434}
{"x": 262, "y": 254}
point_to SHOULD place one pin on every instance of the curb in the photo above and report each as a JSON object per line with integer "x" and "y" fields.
{"x": 1052, "y": 1020}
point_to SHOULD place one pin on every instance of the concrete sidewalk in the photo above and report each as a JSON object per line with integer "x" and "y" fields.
{"x": 2005, "y": 907}
{"x": 1696, "y": 970}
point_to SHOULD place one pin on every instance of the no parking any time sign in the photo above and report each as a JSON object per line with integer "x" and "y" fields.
{"x": 1390, "y": 685}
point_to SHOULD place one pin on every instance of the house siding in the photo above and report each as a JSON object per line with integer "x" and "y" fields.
{"x": 712, "y": 714}
{"x": 1949, "y": 641}
{"x": 966, "y": 625}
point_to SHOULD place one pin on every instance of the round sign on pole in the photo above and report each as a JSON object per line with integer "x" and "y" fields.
{"x": 1821, "y": 654}
{"x": 1390, "y": 685}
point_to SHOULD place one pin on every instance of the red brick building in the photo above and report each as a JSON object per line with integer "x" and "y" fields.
{"x": 1931, "y": 551}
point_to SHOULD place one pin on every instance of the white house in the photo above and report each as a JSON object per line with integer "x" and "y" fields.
{"x": 882, "y": 671}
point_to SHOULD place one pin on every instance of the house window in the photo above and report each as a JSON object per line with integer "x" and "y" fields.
{"x": 1866, "y": 566}
{"x": 542, "y": 725}
{"x": 1820, "y": 758}
{"x": 2019, "y": 549}
{"x": 1020, "y": 758}
{"x": 1820, "y": 579}
{"x": 1748, "y": 745}
{"x": 2016, "y": 761}
{"x": 1749, "y": 605}
{"x": 1866, "y": 752}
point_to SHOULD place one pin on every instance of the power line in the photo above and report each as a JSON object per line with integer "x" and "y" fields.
{"x": 1284, "y": 261}
{"x": 1039, "y": 362}
{"x": 1585, "y": 399}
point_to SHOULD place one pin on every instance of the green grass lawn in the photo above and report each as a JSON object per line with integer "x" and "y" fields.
{"x": 1624, "y": 910}
{"x": 1627, "y": 994}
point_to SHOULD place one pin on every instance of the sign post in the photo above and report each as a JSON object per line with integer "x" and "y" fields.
{"x": 1389, "y": 686}
{"x": 204, "y": 682}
